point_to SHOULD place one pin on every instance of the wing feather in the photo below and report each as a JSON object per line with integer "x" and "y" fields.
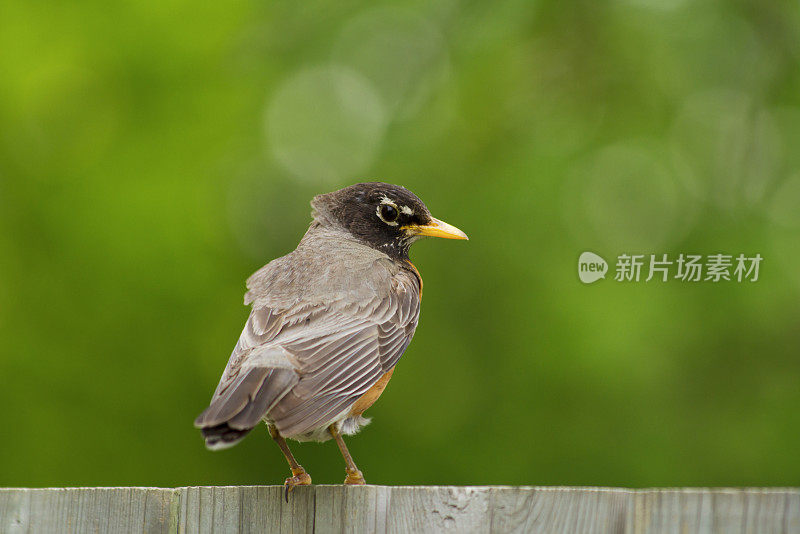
{"x": 339, "y": 365}
{"x": 243, "y": 403}
{"x": 300, "y": 366}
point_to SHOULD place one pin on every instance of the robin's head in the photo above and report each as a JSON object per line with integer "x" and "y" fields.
{"x": 387, "y": 217}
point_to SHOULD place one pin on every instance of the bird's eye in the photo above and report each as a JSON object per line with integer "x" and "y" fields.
{"x": 388, "y": 213}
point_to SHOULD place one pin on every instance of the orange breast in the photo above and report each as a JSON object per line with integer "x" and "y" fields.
{"x": 368, "y": 399}
{"x": 372, "y": 394}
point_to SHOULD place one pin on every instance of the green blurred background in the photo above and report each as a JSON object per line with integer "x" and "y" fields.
{"x": 154, "y": 154}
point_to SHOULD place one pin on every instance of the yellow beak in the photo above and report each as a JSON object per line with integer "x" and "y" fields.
{"x": 436, "y": 228}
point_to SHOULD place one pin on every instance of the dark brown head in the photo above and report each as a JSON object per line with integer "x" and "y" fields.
{"x": 386, "y": 217}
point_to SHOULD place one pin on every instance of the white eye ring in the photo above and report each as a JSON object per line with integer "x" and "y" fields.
{"x": 387, "y": 202}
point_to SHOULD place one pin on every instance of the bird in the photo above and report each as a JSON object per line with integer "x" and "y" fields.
{"x": 328, "y": 323}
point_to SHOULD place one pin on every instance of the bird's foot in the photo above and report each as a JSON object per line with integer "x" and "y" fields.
{"x": 300, "y": 478}
{"x": 354, "y": 478}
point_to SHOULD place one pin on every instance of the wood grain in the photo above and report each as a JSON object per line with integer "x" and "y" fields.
{"x": 389, "y": 509}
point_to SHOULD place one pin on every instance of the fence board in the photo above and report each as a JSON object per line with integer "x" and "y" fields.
{"x": 390, "y": 509}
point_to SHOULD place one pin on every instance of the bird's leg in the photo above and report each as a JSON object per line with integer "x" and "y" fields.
{"x": 354, "y": 476}
{"x": 299, "y": 476}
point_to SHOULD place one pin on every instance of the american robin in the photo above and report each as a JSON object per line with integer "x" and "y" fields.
{"x": 329, "y": 321}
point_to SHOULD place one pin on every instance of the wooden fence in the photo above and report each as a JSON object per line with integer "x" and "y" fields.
{"x": 261, "y": 509}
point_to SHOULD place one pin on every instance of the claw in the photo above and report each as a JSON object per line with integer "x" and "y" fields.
{"x": 300, "y": 478}
{"x": 354, "y": 478}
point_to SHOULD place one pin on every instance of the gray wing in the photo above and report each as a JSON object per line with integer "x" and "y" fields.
{"x": 304, "y": 365}
{"x": 340, "y": 361}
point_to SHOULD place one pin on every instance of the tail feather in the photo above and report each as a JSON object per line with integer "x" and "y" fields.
{"x": 245, "y": 402}
{"x": 222, "y": 436}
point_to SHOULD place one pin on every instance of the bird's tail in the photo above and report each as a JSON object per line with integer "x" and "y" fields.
{"x": 240, "y": 405}
{"x": 223, "y": 436}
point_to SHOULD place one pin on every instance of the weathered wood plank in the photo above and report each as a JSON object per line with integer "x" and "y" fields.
{"x": 86, "y": 510}
{"x": 388, "y": 509}
{"x": 438, "y": 509}
{"x": 351, "y": 509}
{"x": 527, "y": 509}
{"x": 259, "y": 509}
{"x": 726, "y": 510}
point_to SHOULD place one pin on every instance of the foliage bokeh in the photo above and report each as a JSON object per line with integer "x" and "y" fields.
{"x": 153, "y": 155}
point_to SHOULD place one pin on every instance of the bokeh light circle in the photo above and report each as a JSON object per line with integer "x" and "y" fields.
{"x": 784, "y": 207}
{"x": 729, "y": 148}
{"x": 325, "y": 124}
{"x": 784, "y": 234}
{"x": 624, "y": 197}
{"x": 399, "y": 50}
